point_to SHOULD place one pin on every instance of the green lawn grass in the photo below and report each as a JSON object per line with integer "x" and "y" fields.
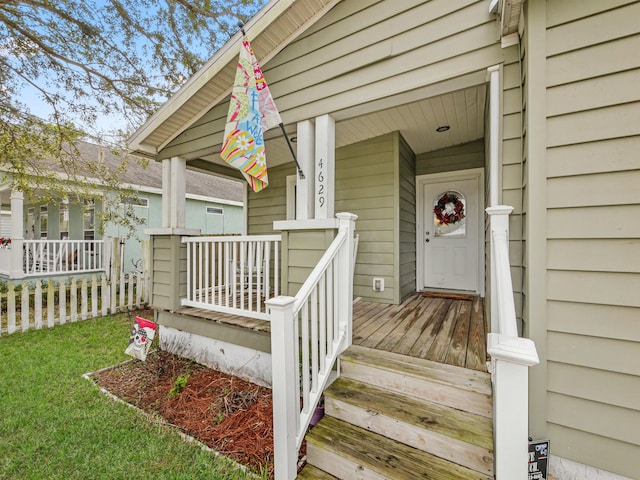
{"x": 54, "y": 424}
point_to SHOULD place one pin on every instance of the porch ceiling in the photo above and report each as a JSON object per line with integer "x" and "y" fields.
{"x": 462, "y": 110}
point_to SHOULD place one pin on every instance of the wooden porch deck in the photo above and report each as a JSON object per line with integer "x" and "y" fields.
{"x": 444, "y": 330}
{"x": 451, "y": 331}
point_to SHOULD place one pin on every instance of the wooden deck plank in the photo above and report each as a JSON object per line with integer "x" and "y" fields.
{"x": 412, "y": 318}
{"x": 362, "y": 312}
{"x": 391, "y": 324}
{"x": 423, "y": 344}
{"x": 422, "y": 326}
{"x": 377, "y": 320}
{"x": 404, "y": 345}
{"x": 440, "y": 346}
{"x": 457, "y": 351}
{"x": 477, "y": 344}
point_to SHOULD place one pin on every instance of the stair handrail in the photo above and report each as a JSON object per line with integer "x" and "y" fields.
{"x": 308, "y": 333}
{"x": 511, "y": 357}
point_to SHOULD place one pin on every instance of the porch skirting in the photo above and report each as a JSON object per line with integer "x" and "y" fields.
{"x": 227, "y": 348}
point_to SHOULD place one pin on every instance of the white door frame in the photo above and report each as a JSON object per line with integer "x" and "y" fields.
{"x": 421, "y": 180}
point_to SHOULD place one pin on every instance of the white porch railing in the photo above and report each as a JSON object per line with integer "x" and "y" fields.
{"x": 308, "y": 332}
{"x": 52, "y": 257}
{"x": 233, "y": 274}
{"x": 511, "y": 357}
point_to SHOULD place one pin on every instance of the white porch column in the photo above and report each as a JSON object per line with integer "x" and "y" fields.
{"x": 494, "y": 134}
{"x": 166, "y": 193}
{"x": 17, "y": 233}
{"x": 325, "y": 166}
{"x": 305, "y": 186}
{"x": 178, "y": 190}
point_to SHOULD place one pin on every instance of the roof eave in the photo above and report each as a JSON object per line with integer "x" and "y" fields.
{"x": 226, "y": 54}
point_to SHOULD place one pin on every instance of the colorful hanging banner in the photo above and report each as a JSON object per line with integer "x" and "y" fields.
{"x": 252, "y": 111}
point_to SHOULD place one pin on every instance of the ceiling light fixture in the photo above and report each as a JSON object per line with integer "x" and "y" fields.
{"x": 442, "y": 128}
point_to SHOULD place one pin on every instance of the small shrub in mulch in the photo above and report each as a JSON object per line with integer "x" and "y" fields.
{"x": 230, "y": 415}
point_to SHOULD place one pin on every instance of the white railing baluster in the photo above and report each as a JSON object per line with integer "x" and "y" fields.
{"x": 259, "y": 248}
{"x": 250, "y": 260}
{"x": 314, "y": 340}
{"x": 206, "y": 247}
{"x": 220, "y": 272}
{"x": 267, "y": 271}
{"x": 190, "y": 290}
{"x": 322, "y": 321}
{"x": 199, "y": 253}
{"x": 305, "y": 357}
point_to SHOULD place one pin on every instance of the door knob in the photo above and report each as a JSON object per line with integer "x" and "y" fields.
{"x": 427, "y": 240}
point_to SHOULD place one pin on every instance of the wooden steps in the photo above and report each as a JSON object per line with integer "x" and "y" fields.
{"x": 391, "y": 417}
{"x": 457, "y": 387}
{"x": 309, "y": 472}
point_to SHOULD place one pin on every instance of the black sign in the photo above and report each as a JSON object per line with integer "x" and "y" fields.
{"x": 538, "y": 458}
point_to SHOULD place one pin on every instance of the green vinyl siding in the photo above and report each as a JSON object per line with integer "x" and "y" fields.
{"x": 305, "y": 248}
{"x": 459, "y": 157}
{"x": 167, "y": 283}
{"x": 375, "y": 179}
{"x": 587, "y": 253}
{"x": 270, "y": 204}
{"x": 407, "y": 219}
{"x": 360, "y": 52}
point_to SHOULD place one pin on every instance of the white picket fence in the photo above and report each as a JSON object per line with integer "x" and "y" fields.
{"x": 46, "y": 304}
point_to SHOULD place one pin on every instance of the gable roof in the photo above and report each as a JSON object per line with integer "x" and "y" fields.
{"x": 274, "y": 27}
{"x": 197, "y": 183}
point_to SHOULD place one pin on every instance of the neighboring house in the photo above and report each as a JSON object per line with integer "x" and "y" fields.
{"x": 56, "y": 234}
{"x": 402, "y": 111}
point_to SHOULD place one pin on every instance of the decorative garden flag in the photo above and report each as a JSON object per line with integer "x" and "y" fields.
{"x": 142, "y": 335}
{"x": 252, "y": 112}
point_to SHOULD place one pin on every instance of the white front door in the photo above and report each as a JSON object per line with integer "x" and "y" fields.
{"x": 450, "y": 238}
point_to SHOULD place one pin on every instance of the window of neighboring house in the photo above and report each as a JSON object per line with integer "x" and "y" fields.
{"x": 64, "y": 220}
{"x": 215, "y": 211}
{"x": 89, "y": 222}
{"x": 31, "y": 223}
{"x": 135, "y": 201}
{"x": 44, "y": 221}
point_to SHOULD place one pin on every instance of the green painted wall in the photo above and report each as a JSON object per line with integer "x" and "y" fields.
{"x": 458, "y": 157}
{"x": 270, "y": 204}
{"x": 196, "y": 217}
{"x": 375, "y": 179}
{"x": 406, "y": 218}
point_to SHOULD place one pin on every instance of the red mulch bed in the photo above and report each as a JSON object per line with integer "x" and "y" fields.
{"x": 230, "y": 415}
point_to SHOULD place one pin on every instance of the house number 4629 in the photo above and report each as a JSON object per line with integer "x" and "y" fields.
{"x": 320, "y": 191}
